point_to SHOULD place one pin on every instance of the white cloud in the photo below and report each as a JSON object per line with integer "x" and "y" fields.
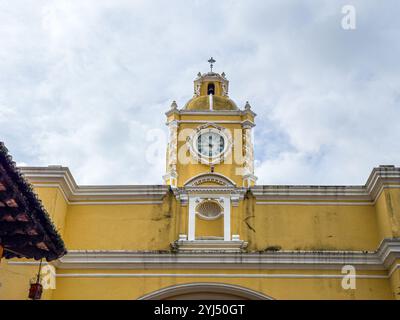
{"x": 82, "y": 83}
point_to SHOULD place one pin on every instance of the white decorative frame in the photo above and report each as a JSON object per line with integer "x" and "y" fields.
{"x": 225, "y": 202}
{"x": 192, "y": 143}
{"x": 217, "y": 201}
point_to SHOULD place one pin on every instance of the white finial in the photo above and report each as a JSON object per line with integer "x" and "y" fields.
{"x": 211, "y": 61}
{"x": 174, "y": 105}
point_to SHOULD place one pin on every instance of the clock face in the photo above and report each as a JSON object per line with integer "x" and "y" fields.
{"x": 210, "y": 144}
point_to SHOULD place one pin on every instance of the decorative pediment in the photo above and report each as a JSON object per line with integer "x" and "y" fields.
{"x": 210, "y": 179}
{"x": 210, "y": 125}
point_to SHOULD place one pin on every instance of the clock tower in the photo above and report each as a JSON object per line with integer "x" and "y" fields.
{"x": 210, "y": 134}
{"x": 210, "y": 159}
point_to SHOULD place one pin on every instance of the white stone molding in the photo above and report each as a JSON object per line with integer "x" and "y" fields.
{"x": 237, "y": 197}
{"x": 214, "y": 112}
{"x": 384, "y": 258}
{"x": 171, "y": 176}
{"x": 227, "y": 218}
{"x": 61, "y": 178}
{"x": 209, "y": 177}
{"x": 182, "y": 237}
{"x": 196, "y": 199}
{"x": 210, "y": 190}
{"x": 235, "y": 194}
{"x": 218, "y": 205}
{"x": 247, "y": 124}
{"x": 197, "y": 90}
{"x": 216, "y": 121}
{"x": 224, "y": 90}
{"x": 381, "y": 178}
{"x": 209, "y": 245}
{"x": 181, "y": 196}
{"x": 242, "y": 275}
{"x": 248, "y": 178}
{"x": 192, "y": 218}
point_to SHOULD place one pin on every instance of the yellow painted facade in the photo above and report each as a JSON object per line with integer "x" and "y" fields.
{"x": 278, "y": 242}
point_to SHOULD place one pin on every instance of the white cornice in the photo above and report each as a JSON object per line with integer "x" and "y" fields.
{"x": 314, "y": 203}
{"x": 210, "y": 246}
{"x": 384, "y": 258}
{"x": 217, "y": 275}
{"x": 61, "y": 177}
{"x": 216, "y": 112}
{"x": 381, "y": 178}
{"x": 212, "y": 112}
{"x": 243, "y": 123}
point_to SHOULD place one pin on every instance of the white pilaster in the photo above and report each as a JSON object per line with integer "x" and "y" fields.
{"x": 192, "y": 218}
{"x": 227, "y": 219}
{"x": 171, "y": 176}
{"x": 248, "y": 178}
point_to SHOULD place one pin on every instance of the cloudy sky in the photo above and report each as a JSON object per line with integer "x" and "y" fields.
{"x": 85, "y": 84}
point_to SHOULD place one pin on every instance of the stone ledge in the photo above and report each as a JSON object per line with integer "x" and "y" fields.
{"x": 209, "y": 246}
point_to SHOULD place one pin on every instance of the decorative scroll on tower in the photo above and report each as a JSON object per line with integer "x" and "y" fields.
{"x": 171, "y": 176}
{"x": 249, "y": 178}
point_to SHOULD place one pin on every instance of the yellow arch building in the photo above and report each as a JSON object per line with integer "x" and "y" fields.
{"x": 211, "y": 231}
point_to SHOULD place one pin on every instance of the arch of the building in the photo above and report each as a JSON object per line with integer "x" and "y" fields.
{"x": 210, "y": 177}
{"x": 205, "y": 291}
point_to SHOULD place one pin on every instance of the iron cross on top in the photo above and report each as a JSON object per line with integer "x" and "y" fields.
{"x": 211, "y": 61}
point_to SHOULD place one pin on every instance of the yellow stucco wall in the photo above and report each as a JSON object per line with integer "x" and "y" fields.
{"x": 313, "y": 227}
{"x": 388, "y": 213}
{"x": 122, "y": 227}
{"x": 277, "y": 288}
{"x": 154, "y": 227}
{"x": 56, "y": 206}
{"x": 15, "y": 283}
{"x": 395, "y": 281}
{"x": 209, "y": 228}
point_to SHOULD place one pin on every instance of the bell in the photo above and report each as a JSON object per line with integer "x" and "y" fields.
{"x": 211, "y": 89}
